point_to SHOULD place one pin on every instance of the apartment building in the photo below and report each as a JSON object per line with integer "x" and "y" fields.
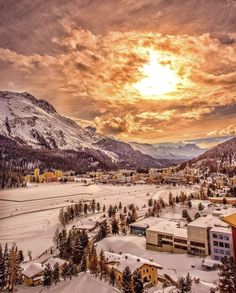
{"x": 167, "y": 236}
{"x": 221, "y": 242}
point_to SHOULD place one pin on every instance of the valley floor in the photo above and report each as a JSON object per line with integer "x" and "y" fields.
{"x": 29, "y": 217}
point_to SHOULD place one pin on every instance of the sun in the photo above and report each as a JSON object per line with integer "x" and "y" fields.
{"x": 158, "y": 79}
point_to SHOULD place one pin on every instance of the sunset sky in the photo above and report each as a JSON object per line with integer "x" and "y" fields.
{"x": 148, "y": 71}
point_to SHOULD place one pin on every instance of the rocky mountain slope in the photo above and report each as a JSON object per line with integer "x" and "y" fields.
{"x": 36, "y": 125}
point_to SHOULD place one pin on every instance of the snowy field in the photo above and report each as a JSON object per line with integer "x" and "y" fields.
{"x": 29, "y": 216}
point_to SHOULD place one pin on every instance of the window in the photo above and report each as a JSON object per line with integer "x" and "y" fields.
{"x": 215, "y": 236}
{"x": 215, "y": 243}
{"x": 197, "y": 244}
{"x": 216, "y": 250}
{"x": 221, "y": 244}
{"x": 221, "y": 251}
{"x": 226, "y": 237}
{"x": 227, "y": 245}
{"x": 220, "y": 236}
{"x": 180, "y": 240}
{"x": 150, "y": 277}
{"x": 216, "y": 257}
{"x": 180, "y": 247}
{"x": 147, "y": 270}
{"x": 227, "y": 252}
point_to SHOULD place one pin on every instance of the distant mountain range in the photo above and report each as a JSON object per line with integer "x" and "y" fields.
{"x": 34, "y": 129}
{"x": 177, "y": 151}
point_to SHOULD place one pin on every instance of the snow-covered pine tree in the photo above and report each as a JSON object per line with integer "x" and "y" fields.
{"x": 47, "y": 276}
{"x": 227, "y": 274}
{"x": 184, "y": 285}
{"x": 137, "y": 282}
{"x": 56, "y": 273}
{"x": 126, "y": 283}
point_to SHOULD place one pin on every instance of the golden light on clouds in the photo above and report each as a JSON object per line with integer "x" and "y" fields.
{"x": 158, "y": 79}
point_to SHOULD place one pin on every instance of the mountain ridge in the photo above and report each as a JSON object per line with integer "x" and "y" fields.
{"x": 35, "y": 123}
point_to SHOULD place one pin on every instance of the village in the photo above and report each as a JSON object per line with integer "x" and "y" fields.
{"x": 123, "y": 225}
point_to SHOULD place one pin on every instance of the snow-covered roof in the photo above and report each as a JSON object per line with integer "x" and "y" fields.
{"x": 169, "y": 227}
{"x": 207, "y": 222}
{"x": 146, "y": 222}
{"x": 33, "y": 269}
{"x": 132, "y": 261}
{"x": 53, "y": 260}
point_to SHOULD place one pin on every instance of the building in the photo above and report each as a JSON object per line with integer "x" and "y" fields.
{"x": 33, "y": 274}
{"x": 167, "y": 236}
{"x": 140, "y": 227}
{"x": 221, "y": 242}
{"x": 147, "y": 268}
{"x": 198, "y": 233}
{"x": 231, "y": 220}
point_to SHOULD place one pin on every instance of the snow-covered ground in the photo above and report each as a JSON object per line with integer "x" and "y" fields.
{"x": 84, "y": 283}
{"x": 174, "y": 265}
{"x": 29, "y": 216}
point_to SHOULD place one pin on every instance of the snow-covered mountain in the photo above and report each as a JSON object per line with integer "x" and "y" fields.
{"x": 33, "y": 122}
{"x": 180, "y": 151}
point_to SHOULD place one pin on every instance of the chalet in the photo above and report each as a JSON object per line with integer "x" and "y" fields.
{"x": 33, "y": 274}
{"x": 147, "y": 268}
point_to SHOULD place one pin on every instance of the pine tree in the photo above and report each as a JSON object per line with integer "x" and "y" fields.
{"x": 189, "y": 204}
{"x": 77, "y": 250}
{"x": 72, "y": 270}
{"x": 102, "y": 264}
{"x": 115, "y": 227}
{"x": 112, "y": 277}
{"x": 65, "y": 271}
{"x": 126, "y": 282}
{"x": 184, "y": 285}
{"x": 93, "y": 261}
{"x": 83, "y": 266}
{"x": 20, "y": 256}
{"x": 56, "y": 273}
{"x": 200, "y": 206}
{"x": 120, "y": 205}
{"x": 227, "y": 274}
{"x": 197, "y": 215}
{"x": 3, "y": 269}
{"x": 137, "y": 282}
{"x": 14, "y": 270}
{"x": 98, "y": 207}
{"x": 47, "y": 276}
{"x": 185, "y": 214}
{"x": 104, "y": 208}
{"x": 177, "y": 199}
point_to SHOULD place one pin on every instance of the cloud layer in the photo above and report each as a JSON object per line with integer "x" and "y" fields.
{"x": 90, "y": 57}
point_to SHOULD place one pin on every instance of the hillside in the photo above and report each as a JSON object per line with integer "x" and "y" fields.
{"x": 221, "y": 158}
